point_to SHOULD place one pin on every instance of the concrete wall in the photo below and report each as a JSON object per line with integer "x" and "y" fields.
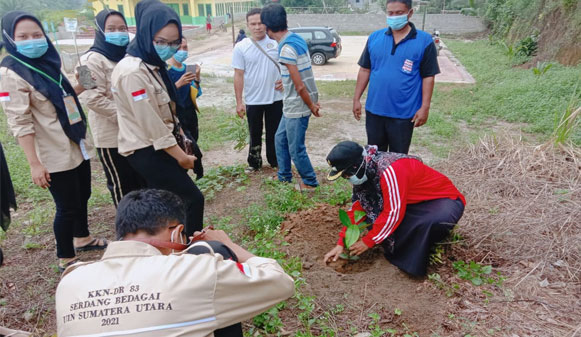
{"x": 367, "y": 23}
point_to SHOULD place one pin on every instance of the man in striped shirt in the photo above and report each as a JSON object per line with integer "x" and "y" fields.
{"x": 300, "y": 98}
{"x": 410, "y": 205}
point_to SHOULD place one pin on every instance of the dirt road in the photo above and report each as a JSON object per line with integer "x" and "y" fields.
{"x": 216, "y": 56}
{"x": 337, "y": 122}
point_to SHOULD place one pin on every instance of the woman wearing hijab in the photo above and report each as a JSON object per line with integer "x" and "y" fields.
{"x": 145, "y": 96}
{"x": 44, "y": 114}
{"x": 241, "y": 36}
{"x": 188, "y": 90}
{"x": 111, "y": 40}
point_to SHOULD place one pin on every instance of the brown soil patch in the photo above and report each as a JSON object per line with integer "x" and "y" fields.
{"x": 370, "y": 285}
{"x": 29, "y": 277}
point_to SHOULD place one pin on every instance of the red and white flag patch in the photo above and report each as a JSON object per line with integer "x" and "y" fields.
{"x": 4, "y": 97}
{"x": 244, "y": 269}
{"x": 139, "y": 95}
{"x": 408, "y": 66}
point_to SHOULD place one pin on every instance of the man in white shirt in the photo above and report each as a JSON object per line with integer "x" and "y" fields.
{"x": 259, "y": 76}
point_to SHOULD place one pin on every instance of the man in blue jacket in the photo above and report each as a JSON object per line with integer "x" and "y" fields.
{"x": 399, "y": 63}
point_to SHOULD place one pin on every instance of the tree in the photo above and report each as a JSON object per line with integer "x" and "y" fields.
{"x": 11, "y": 5}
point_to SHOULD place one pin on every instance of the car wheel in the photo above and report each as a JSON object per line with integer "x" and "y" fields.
{"x": 318, "y": 59}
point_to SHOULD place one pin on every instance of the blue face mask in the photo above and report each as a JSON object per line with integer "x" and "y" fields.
{"x": 120, "y": 39}
{"x": 397, "y": 22}
{"x": 358, "y": 181}
{"x": 32, "y": 48}
{"x": 165, "y": 52}
{"x": 181, "y": 55}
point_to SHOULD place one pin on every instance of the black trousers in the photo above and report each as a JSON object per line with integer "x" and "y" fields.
{"x": 188, "y": 117}
{"x": 234, "y": 330}
{"x": 423, "y": 225}
{"x": 389, "y": 134}
{"x": 121, "y": 177}
{"x": 162, "y": 171}
{"x": 271, "y": 113}
{"x": 70, "y": 191}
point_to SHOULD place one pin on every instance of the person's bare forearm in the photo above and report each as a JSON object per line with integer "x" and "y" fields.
{"x": 177, "y": 153}
{"x": 241, "y": 253}
{"x": 427, "y": 90}
{"x": 27, "y": 144}
{"x": 238, "y": 85}
{"x": 362, "y": 81}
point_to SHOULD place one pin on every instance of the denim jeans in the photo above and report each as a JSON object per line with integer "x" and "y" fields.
{"x": 290, "y": 145}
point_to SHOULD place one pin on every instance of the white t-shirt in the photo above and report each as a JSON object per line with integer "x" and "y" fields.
{"x": 260, "y": 73}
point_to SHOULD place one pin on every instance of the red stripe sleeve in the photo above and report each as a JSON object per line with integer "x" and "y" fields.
{"x": 394, "y": 184}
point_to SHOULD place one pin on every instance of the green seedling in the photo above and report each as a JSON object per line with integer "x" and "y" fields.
{"x": 476, "y": 273}
{"x": 353, "y": 231}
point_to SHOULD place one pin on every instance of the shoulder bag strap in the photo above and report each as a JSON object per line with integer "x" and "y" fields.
{"x": 265, "y": 53}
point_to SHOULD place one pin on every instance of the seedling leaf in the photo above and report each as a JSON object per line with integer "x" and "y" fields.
{"x": 363, "y": 225}
{"x": 351, "y": 236}
{"x": 358, "y": 215}
{"x": 344, "y": 218}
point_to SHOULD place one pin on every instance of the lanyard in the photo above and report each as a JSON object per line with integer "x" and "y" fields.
{"x": 59, "y": 82}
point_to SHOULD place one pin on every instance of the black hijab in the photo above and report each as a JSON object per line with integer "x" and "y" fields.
{"x": 150, "y": 17}
{"x": 49, "y": 63}
{"x": 111, "y": 51}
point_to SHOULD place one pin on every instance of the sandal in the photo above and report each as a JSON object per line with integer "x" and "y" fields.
{"x": 301, "y": 187}
{"x": 93, "y": 245}
{"x": 63, "y": 266}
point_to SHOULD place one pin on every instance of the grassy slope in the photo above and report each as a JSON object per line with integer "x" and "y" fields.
{"x": 507, "y": 93}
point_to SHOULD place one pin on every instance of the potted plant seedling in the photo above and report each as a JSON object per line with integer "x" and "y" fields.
{"x": 353, "y": 232}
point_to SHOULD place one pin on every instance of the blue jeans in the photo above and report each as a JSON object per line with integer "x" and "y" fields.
{"x": 290, "y": 144}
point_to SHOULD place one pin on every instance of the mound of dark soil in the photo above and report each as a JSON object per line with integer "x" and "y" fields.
{"x": 370, "y": 285}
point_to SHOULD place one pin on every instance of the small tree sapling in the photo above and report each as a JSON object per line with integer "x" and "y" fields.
{"x": 353, "y": 231}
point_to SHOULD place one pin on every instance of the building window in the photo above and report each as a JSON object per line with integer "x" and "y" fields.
{"x": 186, "y": 9}
{"x": 201, "y": 10}
{"x": 209, "y": 9}
{"x": 120, "y": 9}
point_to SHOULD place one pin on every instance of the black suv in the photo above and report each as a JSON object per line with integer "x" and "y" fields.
{"x": 324, "y": 43}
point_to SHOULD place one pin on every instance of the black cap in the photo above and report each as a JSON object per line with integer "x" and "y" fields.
{"x": 342, "y": 157}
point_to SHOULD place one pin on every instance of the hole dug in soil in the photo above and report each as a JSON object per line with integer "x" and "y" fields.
{"x": 369, "y": 285}
{"x": 366, "y": 262}
{"x": 313, "y": 232}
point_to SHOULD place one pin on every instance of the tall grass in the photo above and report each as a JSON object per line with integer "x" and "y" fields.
{"x": 567, "y": 121}
{"x": 505, "y": 92}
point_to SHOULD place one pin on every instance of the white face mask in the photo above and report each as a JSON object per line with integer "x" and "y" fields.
{"x": 358, "y": 181}
{"x": 177, "y": 233}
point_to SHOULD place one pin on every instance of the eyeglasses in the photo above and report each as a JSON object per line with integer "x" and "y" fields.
{"x": 172, "y": 44}
{"x": 349, "y": 172}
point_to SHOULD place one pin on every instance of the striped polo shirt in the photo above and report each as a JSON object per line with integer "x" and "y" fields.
{"x": 293, "y": 50}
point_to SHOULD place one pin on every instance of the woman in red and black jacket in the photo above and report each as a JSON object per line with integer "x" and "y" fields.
{"x": 410, "y": 205}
